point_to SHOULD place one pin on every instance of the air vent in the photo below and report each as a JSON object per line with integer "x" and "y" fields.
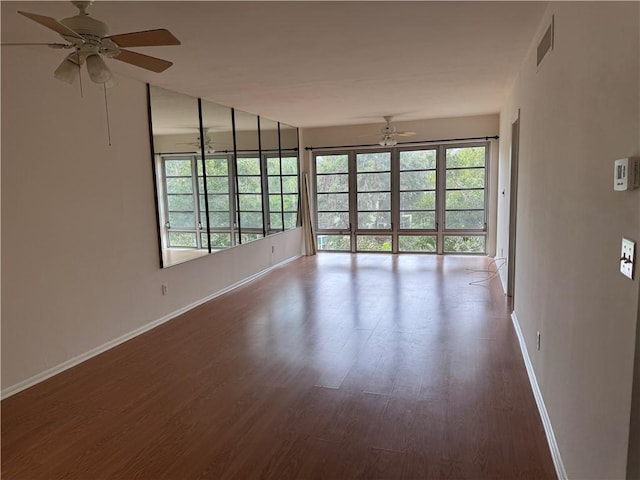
{"x": 546, "y": 44}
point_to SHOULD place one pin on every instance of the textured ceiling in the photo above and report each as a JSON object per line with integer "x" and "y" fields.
{"x": 322, "y": 63}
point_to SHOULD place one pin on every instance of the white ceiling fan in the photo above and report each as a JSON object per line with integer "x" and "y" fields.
{"x": 90, "y": 42}
{"x": 209, "y": 145}
{"x": 390, "y": 134}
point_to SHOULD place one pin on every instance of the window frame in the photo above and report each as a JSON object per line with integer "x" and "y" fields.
{"x": 440, "y": 230}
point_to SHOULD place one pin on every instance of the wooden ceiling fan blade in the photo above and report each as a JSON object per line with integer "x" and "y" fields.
{"x": 52, "y": 24}
{"x": 405, "y": 134}
{"x": 143, "y": 61}
{"x": 148, "y": 38}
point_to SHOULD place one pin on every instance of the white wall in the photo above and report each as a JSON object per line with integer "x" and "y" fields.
{"x": 426, "y": 130}
{"x": 579, "y": 112}
{"x": 80, "y": 261}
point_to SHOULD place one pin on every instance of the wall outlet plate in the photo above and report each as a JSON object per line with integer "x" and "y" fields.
{"x": 628, "y": 258}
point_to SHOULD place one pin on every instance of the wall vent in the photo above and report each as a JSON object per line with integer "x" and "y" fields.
{"x": 546, "y": 43}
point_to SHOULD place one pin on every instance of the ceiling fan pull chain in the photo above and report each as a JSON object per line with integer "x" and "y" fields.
{"x": 79, "y": 73}
{"x": 106, "y": 108}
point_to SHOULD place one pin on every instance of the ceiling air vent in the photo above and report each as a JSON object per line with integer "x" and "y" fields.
{"x": 546, "y": 43}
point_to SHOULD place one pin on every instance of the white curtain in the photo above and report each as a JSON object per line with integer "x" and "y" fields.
{"x": 308, "y": 234}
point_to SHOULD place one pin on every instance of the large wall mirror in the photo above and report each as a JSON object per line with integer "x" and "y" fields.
{"x": 223, "y": 177}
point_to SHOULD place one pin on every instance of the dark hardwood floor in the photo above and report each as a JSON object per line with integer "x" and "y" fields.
{"x": 335, "y": 366}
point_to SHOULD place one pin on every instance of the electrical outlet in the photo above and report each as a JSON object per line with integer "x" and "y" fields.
{"x": 538, "y": 340}
{"x": 628, "y": 258}
{"x": 165, "y": 289}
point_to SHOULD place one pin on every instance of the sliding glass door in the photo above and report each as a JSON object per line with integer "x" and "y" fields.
{"x": 428, "y": 199}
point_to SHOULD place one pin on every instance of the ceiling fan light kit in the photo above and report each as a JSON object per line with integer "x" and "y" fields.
{"x": 98, "y": 70}
{"x": 68, "y": 70}
{"x": 91, "y": 43}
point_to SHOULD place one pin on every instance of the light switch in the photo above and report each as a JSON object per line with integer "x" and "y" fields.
{"x": 628, "y": 258}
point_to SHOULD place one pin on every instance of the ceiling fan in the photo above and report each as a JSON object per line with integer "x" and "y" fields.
{"x": 89, "y": 39}
{"x": 209, "y": 145}
{"x": 390, "y": 134}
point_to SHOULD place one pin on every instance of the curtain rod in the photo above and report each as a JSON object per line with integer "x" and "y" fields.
{"x": 467, "y": 139}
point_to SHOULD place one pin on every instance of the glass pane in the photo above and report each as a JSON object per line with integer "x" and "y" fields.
{"x": 290, "y": 166}
{"x": 418, "y": 220}
{"x": 374, "y": 182}
{"x": 332, "y": 183}
{"x": 203, "y": 240}
{"x": 290, "y": 203}
{"x": 418, "y": 180}
{"x": 465, "y": 178}
{"x": 177, "y": 168}
{"x": 249, "y": 184}
{"x": 464, "y": 220}
{"x": 180, "y": 203}
{"x": 374, "y": 201}
{"x": 418, "y": 160}
{"x": 417, "y": 200}
{"x": 250, "y": 237}
{"x": 464, "y": 199}
{"x": 251, "y": 219}
{"x": 290, "y": 184}
{"x": 220, "y": 240}
{"x": 179, "y": 185}
{"x": 250, "y": 202}
{"x": 374, "y": 220}
{"x": 333, "y": 220}
{"x": 374, "y": 243}
{"x": 182, "y": 239}
{"x": 217, "y": 167}
{"x": 182, "y": 220}
{"x": 333, "y": 202}
{"x": 373, "y": 162}
{"x": 421, "y": 243}
{"x": 248, "y": 166}
{"x": 274, "y": 184}
{"x": 219, "y": 219}
{"x": 215, "y": 184}
{"x": 273, "y": 166}
{"x": 275, "y": 203}
{"x": 216, "y": 202}
{"x": 465, "y": 157}
{"x": 290, "y": 220}
{"x": 334, "y": 242}
{"x": 332, "y": 164}
{"x": 275, "y": 219}
{"x": 464, "y": 244}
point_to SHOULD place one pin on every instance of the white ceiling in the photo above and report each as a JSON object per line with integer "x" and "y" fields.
{"x": 314, "y": 63}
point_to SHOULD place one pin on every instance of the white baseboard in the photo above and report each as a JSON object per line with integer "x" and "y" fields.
{"x": 544, "y": 415}
{"x": 72, "y": 362}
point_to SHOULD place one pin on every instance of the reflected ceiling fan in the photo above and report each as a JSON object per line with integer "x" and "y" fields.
{"x": 209, "y": 145}
{"x": 89, "y": 39}
{"x": 390, "y": 134}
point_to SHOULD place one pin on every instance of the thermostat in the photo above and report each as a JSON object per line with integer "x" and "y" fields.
{"x": 626, "y": 174}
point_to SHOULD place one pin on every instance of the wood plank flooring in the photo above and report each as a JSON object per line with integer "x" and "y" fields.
{"x": 337, "y": 366}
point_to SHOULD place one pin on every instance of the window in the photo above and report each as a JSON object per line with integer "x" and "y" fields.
{"x": 181, "y": 203}
{"x": 249, "y": 178}
{"x": 465, "y": 188}
{"x": 216, "y": 203}
{"x": 233, "y": 212}
{"x": 282, "y": 175}
{"x": 430, "y": 199}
